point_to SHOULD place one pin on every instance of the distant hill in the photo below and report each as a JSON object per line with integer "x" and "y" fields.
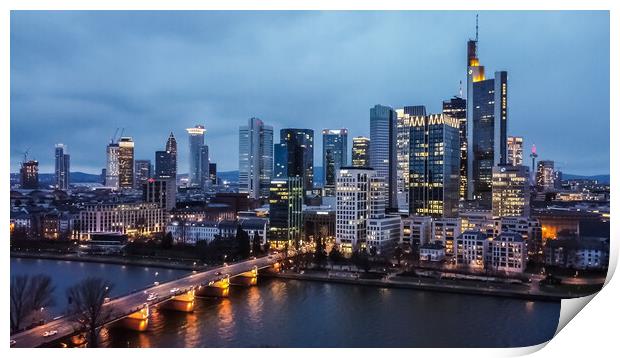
{"x": 602, "y": 178}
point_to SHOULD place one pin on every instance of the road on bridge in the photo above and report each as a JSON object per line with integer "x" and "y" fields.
{"x": 125, "y": 305}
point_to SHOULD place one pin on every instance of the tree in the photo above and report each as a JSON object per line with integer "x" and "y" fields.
{"x": 86, "y": 300}
{"x": 398, "y": 254}
{"x": 320, "y": 257}
{"x": 335, "y": 256}
{"x": 266, "y": 247}
{"x": 29, "y": 294}
{"x": 256, "y": 246}
{"x": 243, "y": 242}
{"x": 360, "y": 260}
{"x": 167, "y": 241}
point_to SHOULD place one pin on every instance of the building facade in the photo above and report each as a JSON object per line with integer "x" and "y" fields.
{"x": 255, "y": 158}
{"x": 360, "y": 152}
{"x": 335, "y": 156}
{"x": 383, "y": 158}
{"x": 62, "y": 167}
{"x": 511, "y": 191}
{"x": 112, "y": 169}
{"x": 160, "y": 191}
{"x": 134, "y": 219}
{"x": 285, "y": 211}
{"x": 125, "y": 162}
{"x": 196, "y": 142}
{"x": 515, "y": 151}
{"x": 299, "y": 144}
{"x": 142, "y": 172}
{"x": 457, "y": 108}
{"x": 29, "y": 175}
{"x": 508, "y": 253}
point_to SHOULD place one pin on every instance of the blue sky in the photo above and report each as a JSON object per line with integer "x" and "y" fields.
{"x": 77, "y": 76}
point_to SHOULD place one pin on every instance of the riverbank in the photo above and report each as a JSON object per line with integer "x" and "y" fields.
{"x": 117, "y": 260}
{"x": 524, "y": 292}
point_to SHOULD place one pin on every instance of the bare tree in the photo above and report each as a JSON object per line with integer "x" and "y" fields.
{"x": 86, "y": 300}
{"x": 29, "y": 295}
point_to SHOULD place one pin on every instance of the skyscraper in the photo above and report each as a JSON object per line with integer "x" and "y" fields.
{"x": 213, "y": 173}
{"x": 171, "y": 147}
{"x": 196, "y": 141}
{"x": 352, "y": 206}
{"x": 160, "y": 191}
{"x": 205, "y": 179}
{"x": 434, "y": 167}
{"x": 111, "y": 176}
{"x": 487, "y": 116}
{"x": 255, "y": 158}
{"x": 125, "y": 162}
{"x": 142, "y": 172}
{"x": 515, "y": 151}
{"x": 300, "y": 155}
{"x": 29, "y": 174}
{"x": 511, "y": 191}
{"x": 545, "y": 175}
{"x": 403, "y": 129}
{"x": 285, "y": 211}
{"x": 360, "y": 155}
{"x": 62, "y": 167}
{"x": 457, "y": 108}
{"x": 334, "y": 157}
{"x": 280, "y": 160}
{"x": 383, "y": 157}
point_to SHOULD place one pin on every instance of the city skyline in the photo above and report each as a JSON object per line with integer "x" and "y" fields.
{"x": 149, "y": 112}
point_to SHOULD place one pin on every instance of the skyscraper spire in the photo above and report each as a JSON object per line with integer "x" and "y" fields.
{"x": 476, "y": 27}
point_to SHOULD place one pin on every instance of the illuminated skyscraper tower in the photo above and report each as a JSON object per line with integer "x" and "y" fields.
{"x": 196, "y": 141}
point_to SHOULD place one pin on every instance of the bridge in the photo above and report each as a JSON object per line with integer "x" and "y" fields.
{"x": 133, "y": 309}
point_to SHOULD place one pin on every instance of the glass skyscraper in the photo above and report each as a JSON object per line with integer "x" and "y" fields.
{"x": 383, "y": 158}
{"x": 299, "y": 155}
{"x": 334, "y": 157}
{"x": 255, "y": 158}
{"x": 285, "y": 211}
{"x": 125, "y": 162}
{"x": 360, "y": 155}
{"x": 456, "y": 108}
{"x": 196, "y": 141}
{"x": 62, "y": 167}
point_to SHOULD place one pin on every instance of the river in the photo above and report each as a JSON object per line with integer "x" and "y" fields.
{"x": 279, "y": 313}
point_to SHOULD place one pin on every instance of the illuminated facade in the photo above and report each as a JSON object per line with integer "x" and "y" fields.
{"x": 360, "y": 153}
{"x": 515, "y": 151}
{"x": 487, "y": 119}
{"x": 29, "y": 175}
{"x": 457, "y": 108}
{"x": 545, "y": 175}
{"x": 62, "y": 162}
{"x": 434, "y": 166}
{"x": 403, "y": 129}
{"x": 383, "y": 159}
{"x": 196, "y": 142}
{"x": 160, "y": 191}
{"x": 285, "y": 211}
{"x": 352, "y": 206}
{"x": 126, "y": 218}
{"x": 508, "y": 253}
{"x": 299, "y": 144}
{"x": 142, "y": 172}
{"x": 255, "y": 158}
{"x": 511, "y": 191}
{"x": 125, "y": 162}
{"x": 111, "y": 173}
{"x": 334, "y": 157}
{"x": 166, "y": 160}
{"x": 470, "y": 249}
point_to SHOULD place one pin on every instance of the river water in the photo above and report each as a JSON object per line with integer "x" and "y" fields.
{"x": 279, "y": 313}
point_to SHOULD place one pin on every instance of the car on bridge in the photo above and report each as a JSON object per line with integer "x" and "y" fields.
{"x": 49, "y": 333}
{"x": 151, "y": 297}
{"x": 174, "y": 290}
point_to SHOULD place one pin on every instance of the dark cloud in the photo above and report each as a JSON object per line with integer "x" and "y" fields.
{"x": 77, "y": 76}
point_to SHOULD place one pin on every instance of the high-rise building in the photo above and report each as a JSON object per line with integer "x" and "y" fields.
{"x": 285, "y": 211}
{"x": 125, "y": 162}
{"x": 165, "y": 165}
{"x": 487, "y": 119}
{"x": 456, "y": 108}
{"x": 515, "y": 151}
{"x": 213, "y": 173}
{"x": 205, "y": 178}
{"x": 300, "y": 155}
{"x": 434, "y": 168}
{"x": 255, "y": 158}
{"x": 196, "y": 141}
{"x": 29, "y": 174}
{"x": 160, "y": 191}
{"x": 511, "y": 191}
{"x": 403, "y": 129}
{"x": 545, "y": 175}
{"x": 383, "y": 157}
{"x": 360, "y": 153}
{"x": 142, "y": 172}
{"x": 280, "y": 160}
{"x": 62, "y": 167}
{"x": 334, "y": 157}
{"x": 169, "y": 165}
{"x": 352, "y": 206}
{"x": 112, "y": 170}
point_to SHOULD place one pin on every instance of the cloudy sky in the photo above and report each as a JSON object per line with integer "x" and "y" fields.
{"x": 77, "y": 76}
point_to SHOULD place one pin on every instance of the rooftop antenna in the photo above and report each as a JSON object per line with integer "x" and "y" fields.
{"x": 476, "y": 27}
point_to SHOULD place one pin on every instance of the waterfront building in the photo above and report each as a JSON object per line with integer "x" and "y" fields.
{"x": 515, "y": 151}
{"x": 456, "y": 108}
{"x": 511, "y": 191}
{"x": 196, "y": 141}
{"x": 255, "y": 158}
{"x": 334, "y": 157}
{"x": 133, "y": 219}
{"x": 416, "y": 230}
{"x": 433, "y": 252}
{"x": 112, "y": 170}
{"x": 529, "y": 229}
{"x": 383, "y": 231}
{"x": 299, "y": 144}
{"x": 125, "y": 162}
{"x": 360, "y": 152}
{"x": 285, "y": 211}
{"x": 508, "y": 253}
{"x": 29, "y": 175}
{"x": 319, "y": 221}
{"x": 352, "y": 206}
{"x": 477, "y": 220}
{"x": 470, "y": 249}
{"x": 62, "y": 167}
{"x": 191, "y": 232}
{"x": 142, "y": 172}
{"x": 487, "y": 122}
{"x": 160, "y": 191}
{"x": 434, "y": 168}
{"x": 444, "y": 231}
{"x": 545, "y": 175}
{"x": 578, "y": 253}
{"x": 383, "y": 159}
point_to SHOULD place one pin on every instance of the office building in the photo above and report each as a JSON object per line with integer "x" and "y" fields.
{"x": 285, "y": 212}
{"x": 352, "y": 206}
{"x": 360, "y": 152}
{"x": 133, "y": 219}
{"x": 507, "y": 253}
{"x": 205, "y": 178}
{"x": 545, "y": 175}
{"x": 515, "y": 151}
{"x": 471, "y": 249}
{"x": 142, "y": 172}
{"x": 160, "y": 191}
{"x": 280, "y": 160}
{"x": 62, "y": 167}
{"x": 334, "y": 157}
{"x": 487, "y": 120}
{"x": 511, "y": 191}
{"x": 125, "y": 162}
{"x": 255, "y": 158}
{"x": 112, "y": 169}
{"x": 166, "y": 160}
{"x": 213, "y": 173}
{"x": 299, "y": 155}
{"x": 456, "y": 108}
{"x": 196, "y": 141}
{"x": 29, "y": 175}
{"x": 434, "y": 169}
{"x": 383, "y": 159}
